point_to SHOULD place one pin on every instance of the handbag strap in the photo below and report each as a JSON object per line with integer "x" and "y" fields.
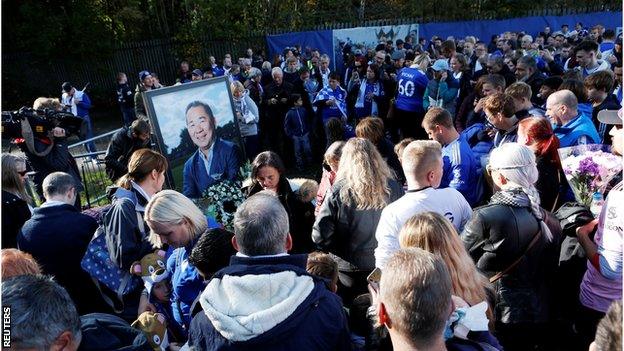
{"x": 558, "y": 192}
{"x": 140, "y": 223}
{"x": 515, "y": 263}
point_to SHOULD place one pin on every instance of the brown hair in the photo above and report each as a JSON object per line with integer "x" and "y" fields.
{"x": 322, "y": 265}
{"x": 11, "y": 180}
{"x": 576, "y": 87}
{"x": 16, "y": 262}
{"x": 371, "y": 128}
{"x": 519, "y": 90}
{"x": 601, "y": 80}
{"x": 500, "y": 103}
{"x": 141, "y": 164}
{"x": 437, "y": 116}
{"x": 495, "y": 80}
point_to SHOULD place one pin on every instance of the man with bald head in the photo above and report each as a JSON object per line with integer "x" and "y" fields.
{"x": 571, "y": 127}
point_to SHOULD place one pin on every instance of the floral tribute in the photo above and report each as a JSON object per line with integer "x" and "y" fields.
{"x": 589, "y": 169}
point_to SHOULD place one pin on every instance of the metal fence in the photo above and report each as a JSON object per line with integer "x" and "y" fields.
{"x": 93, "y": 170}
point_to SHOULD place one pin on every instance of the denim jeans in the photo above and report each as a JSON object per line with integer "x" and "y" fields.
{"x": 90, "y": 146}
{"x": 128, "y": 115}
{"x": 303, "y": 152}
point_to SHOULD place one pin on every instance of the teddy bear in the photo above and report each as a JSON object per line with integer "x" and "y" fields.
{"x": 154, "y": 326}
{"x": 151, "y": 268}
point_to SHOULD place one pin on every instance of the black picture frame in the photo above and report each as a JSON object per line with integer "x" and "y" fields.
{"x": 165, "y": 109}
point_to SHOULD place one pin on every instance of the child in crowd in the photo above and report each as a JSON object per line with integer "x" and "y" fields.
{"x": 330, "y": 169}
{"x": 322, "y": 265}
{"x": 211, "y": 254}
{"x": 297, "y": 128}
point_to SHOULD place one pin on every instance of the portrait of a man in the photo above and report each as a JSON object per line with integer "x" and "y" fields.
{"x": 215, "y": 159}
{"x": 195, "y": 127}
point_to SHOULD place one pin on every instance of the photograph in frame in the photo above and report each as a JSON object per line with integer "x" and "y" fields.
{"x": 196, "y": 130}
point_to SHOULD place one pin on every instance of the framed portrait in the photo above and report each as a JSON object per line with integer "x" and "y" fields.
{"x": 197, "y": 131}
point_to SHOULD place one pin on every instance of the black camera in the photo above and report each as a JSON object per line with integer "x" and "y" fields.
{"x": 41, "y": 122}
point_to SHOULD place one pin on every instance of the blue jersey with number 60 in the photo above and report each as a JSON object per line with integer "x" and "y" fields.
{"x": 411, "y": 89}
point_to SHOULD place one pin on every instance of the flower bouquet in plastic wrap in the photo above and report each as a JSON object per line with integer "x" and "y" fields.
{"x": 589, "y": 169}
{"x": 221, "y": 199}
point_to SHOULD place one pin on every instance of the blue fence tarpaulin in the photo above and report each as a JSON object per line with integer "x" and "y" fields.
{"x": 484, "y": 29}
{"x": 322, "y": 40}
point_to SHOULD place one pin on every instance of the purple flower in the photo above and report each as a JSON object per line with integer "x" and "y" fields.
{"x": 587, "y": 166}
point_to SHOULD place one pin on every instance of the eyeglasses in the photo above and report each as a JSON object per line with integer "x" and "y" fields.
{"x": 489, "y": 169}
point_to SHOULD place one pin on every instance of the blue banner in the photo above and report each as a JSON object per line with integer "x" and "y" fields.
{"x": 321, "y": 40}
{"x": 484, "y": 29}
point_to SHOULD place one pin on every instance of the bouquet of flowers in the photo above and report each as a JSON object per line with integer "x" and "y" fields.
{"x": 589, "y": 169}
{"x": 221, "y": 200}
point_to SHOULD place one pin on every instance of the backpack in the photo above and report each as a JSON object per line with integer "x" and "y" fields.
{"x": 97, "y": 262}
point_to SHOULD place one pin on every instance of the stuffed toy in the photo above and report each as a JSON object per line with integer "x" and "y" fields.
{"x": 154, "y": 326}
{"x": 151, "y": 268}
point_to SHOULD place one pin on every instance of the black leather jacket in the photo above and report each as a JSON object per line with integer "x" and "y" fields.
{"x": 495, "y": 237}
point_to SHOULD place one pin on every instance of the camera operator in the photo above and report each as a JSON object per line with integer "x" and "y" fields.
{"x": 49, "y": 154}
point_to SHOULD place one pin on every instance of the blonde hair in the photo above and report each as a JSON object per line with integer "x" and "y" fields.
{"x": 365, "y": 174}
{"x": 400, "y": 147}
{"x": 422, "y": 61}
{"x": 432, "y": 232}
{"x": 171, "y": 207}
{"x": 237, "y": 86}
{"x": 45, "y": 102}
{"x": 419, "y": 158}
{"x": 333, "y": 152}
{"x": 11, "y": 180}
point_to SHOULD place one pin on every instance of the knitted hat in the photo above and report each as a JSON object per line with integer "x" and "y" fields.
{"x": 144, "y": 74}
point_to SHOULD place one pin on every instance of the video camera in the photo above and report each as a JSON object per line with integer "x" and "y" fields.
{"x": 41, "y": 121}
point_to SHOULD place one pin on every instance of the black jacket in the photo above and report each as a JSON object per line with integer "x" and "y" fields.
{"x": 105, "y": 332}
{"x": 124, "y": 239}
{"x": 125, "y": 96}
{"x": 495, "y": 237}
{"x": 279, "y": 92}
{"x": 57, "y": 237}
{"x": 536, "y": 80}
{"x": 551, "y": 184}
{"x": 300, "y": 215}
{"x": 348, "y": 232}
{"x": 57, "y": 160}
{"x": 15, "y": 213}
{"x": 120, "y": 148}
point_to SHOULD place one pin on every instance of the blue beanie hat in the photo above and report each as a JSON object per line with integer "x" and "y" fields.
{"x": 144, "y": 74}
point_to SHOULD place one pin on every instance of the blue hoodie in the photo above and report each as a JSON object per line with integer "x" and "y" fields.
{"x": 580, "y": 126}
{"x": 277, "y": 306}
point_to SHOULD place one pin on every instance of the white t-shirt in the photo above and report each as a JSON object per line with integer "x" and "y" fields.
{"x": 448, "y": 202}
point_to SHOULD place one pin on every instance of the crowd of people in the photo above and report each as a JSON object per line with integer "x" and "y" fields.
{"x": 442, "y": 219}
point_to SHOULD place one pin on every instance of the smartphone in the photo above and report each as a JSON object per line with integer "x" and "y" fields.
{"x": 375, "y": 276}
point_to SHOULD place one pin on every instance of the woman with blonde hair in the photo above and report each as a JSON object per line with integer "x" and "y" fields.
{"x": 350, "y": 213}
{"x": 16, "y": 203}
{"x": 175, "y": 220}
{"x": 247, "y": 116}
{"x": 432, "y": 232}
